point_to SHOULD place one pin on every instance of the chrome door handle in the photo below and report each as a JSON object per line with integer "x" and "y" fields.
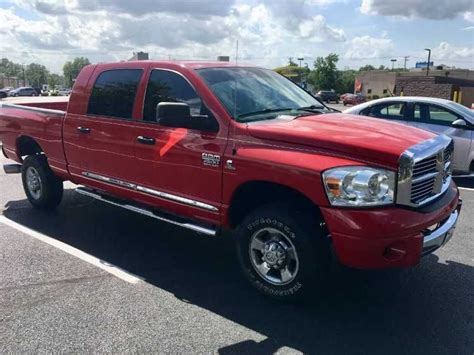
{"x": 84, "y": 129}
{"x": 146, "y": 140}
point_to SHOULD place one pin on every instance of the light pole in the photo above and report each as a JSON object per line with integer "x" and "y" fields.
{"x": 393, "y": 63}
{"x": 429, "y": 58}
{"x": 300, "y": 59}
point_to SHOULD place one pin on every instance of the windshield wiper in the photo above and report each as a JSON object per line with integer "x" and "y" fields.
{"x": 267, "y": 110}
{"x": 314, "y": 108}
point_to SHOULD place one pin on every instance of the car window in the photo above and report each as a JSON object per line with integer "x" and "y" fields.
{"x": 434, "y": 114}
{"x": 168, "y": 86}
{"x": 391, "y": 111}
{"x": 114, "y": 93}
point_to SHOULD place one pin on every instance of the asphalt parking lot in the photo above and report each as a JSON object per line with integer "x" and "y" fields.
{"x": 151, "y": 287}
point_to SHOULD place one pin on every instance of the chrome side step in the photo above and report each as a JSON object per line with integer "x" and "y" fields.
{"x": 12, "y": 168}
{"x": 146, "y": 212}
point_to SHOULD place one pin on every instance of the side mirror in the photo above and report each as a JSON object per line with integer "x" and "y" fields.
{"x": 459, "y": 123}
{"x": 178, "y": 114}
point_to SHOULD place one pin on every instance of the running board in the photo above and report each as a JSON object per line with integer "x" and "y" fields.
{"x": 146, "y": 212}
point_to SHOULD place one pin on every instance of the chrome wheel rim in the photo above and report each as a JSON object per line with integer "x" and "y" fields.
{"x": 33, "y": 182}
{"x": 273, "y": 256}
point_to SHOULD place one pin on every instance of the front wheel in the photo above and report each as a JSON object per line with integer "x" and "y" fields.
{"x": 42, "y": 188}
{"x": 283, "y": 254}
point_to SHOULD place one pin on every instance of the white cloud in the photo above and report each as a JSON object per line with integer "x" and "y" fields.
{"x": 469, "y": 16}
{"x": 447, "y": 51}
{"x": 434, "y": 10}
{"x": 366, "y": 47}
{"x": 187, "y": 29}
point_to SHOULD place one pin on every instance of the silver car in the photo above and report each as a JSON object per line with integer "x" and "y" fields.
{"x": 435, "y": 115}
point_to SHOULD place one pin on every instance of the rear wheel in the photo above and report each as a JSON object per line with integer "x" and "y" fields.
{"x": 42, "y": 188}
{"x": 283, "y": 254}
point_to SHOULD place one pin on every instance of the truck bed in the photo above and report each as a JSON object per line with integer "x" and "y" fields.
{"x": 41, "y": 120}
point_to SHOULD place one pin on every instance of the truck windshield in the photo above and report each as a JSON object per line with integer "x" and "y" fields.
{"x": 251, "y": 94}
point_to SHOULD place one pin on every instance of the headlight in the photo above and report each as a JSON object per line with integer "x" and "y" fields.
{"x": 359, "y": 186}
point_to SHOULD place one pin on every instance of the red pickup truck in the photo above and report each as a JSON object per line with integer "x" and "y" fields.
{"x": 218, "y": 147}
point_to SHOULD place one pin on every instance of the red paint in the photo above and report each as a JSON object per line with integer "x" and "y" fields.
{"x": 290, "y": 153}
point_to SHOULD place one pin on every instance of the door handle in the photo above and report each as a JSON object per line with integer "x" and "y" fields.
{"x": 84, "y": 129}
{"x": 146, "y": 140}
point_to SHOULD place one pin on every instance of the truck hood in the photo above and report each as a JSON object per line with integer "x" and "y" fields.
{"x": 358, "y": 137}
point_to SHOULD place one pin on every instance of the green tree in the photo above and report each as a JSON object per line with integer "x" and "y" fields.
{"x": 36, "y": 74}
{"x": 71, "y": 69}
{"x": 325, "y": 74}
{"x": 10, "y": 69}
{"x": 346, "y": 81}
{"x": 367, "y": 67}
{"x": 382, "y": 67}
{"x": 55, "y": 80}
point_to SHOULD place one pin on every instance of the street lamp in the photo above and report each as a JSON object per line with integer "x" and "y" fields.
{"x": 429, "y": 58}
{"x": 393, "y": 63}
{"x": 300, "y": 59}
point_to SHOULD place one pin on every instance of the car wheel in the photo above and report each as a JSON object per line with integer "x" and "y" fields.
{"x": 43, "y": 189}
{"x": 283, "y": 254}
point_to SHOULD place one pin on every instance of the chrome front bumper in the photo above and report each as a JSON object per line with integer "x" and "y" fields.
{"x": 438, "y": 237}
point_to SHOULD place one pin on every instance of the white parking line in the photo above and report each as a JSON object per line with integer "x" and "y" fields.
{"x": 111, "y": 269}
{"x": 465, "y": 188}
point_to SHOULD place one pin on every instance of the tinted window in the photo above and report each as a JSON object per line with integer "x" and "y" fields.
{"x": 114, "y": 93}
{"x": 434, "y": 114}
{"x": 167, "y": 86}
{"x": 248, "y": 92}
{"x": 391, "y": 111}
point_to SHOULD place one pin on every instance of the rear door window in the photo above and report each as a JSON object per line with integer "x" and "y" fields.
{"x": 114, "y": 93}
{"x": 433, "y": 114}
{"x": 390, "y": 111}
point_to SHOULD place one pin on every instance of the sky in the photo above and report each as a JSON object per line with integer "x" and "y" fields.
{"x": 268, "y": 31}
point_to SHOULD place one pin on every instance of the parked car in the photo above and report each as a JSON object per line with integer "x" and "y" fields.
{"x": 64, "y": 92}
{"x": 3, "y": 93}
{"x": 212, "y": 147}
{"x": 353, "y": 99}
{"x": 23, "y": 91}
{"x": 327, "y": 96}
{"x": 436, "y": 115}
{"x": 38, "y": 91}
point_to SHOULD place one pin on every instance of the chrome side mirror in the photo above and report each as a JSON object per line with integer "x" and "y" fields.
{"x": 459, "y": 123}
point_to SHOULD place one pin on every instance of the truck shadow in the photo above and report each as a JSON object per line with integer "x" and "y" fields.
{"x": 428, "y": 309}
{"x": 467, "y": 182}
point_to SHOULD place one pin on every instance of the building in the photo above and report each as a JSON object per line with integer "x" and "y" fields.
{"x": 452, "y": 84}
{"x": 139, "y": 56}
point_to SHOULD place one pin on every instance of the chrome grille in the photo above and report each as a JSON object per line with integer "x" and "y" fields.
{"x": 425, "y": 171}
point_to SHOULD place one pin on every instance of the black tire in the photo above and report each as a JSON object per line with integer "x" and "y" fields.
{"x": 308, "y": 238}
{"x": 50, "y": 191}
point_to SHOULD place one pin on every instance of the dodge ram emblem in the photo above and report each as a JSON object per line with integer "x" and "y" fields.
{"x": 209, "y": 159}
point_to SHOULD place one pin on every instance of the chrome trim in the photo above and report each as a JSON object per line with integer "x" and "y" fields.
{"x": 32, "y": 108}
{"x": 148, "y": 213}
{"x": 409, "y": 158}
{"x": 176, "y": 198}
{"x": 146, "y": 190}
{"x": 109, "y": 180}
{"x": 441, "y": 235}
